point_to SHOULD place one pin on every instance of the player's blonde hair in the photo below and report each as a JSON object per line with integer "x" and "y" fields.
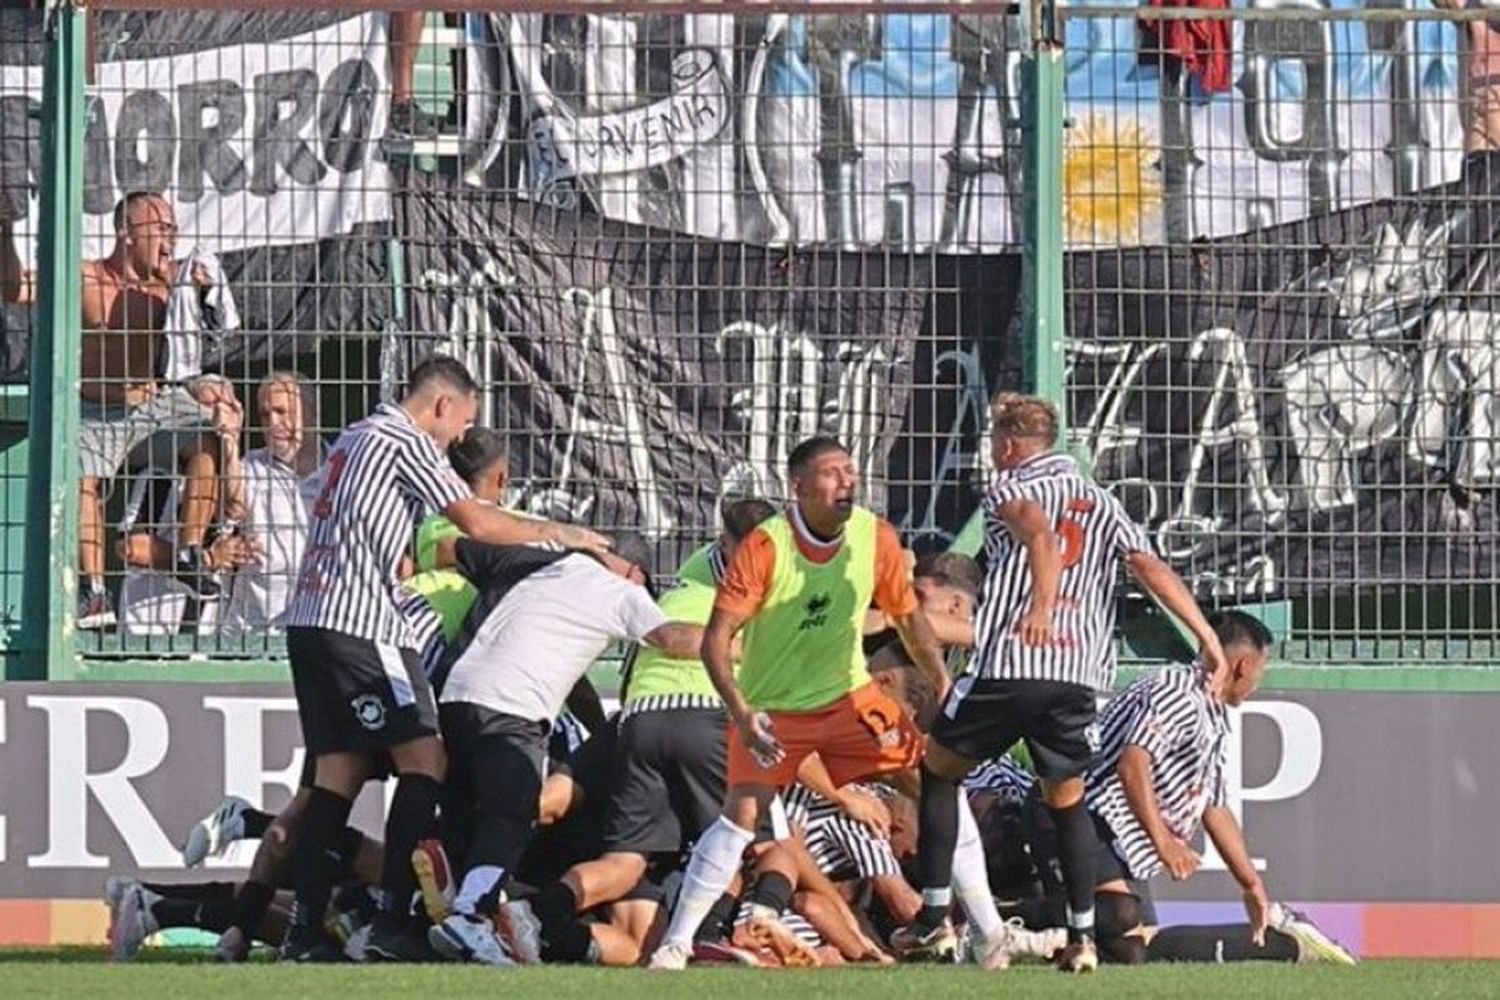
{"x": 1016, "y": 415}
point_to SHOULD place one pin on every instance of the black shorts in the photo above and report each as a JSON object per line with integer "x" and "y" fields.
{"x": 356, "y": 695}
{"x": 495, "y": 771}
{"x": 668, "y": 781}
{"x": 1041, "y": 836}
{"x": 579, "y": 835}
{"x": 984, "y": 718}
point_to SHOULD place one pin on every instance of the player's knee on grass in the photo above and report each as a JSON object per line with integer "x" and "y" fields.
{"x": 1118, "y": 913}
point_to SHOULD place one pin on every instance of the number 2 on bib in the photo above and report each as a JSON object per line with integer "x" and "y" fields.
{"x": 1070, "y": 531}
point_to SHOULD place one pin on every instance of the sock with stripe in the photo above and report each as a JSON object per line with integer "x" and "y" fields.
{"x": 719, "y": 920}
{"x": 1076, "y": 843}
{"x": 318, "y": 859}
{"x": 413, "y": 808}
{"x": 204, "y": 913}
{"x": 772, "y": 890}
{"x": 938, "y": 810}
{"x": 191, "y": 890}
{"x": 250, "y": 906}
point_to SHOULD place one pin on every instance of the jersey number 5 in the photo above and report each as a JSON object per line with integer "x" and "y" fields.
{"x": 1070, "y": 531}
{"x": 331, "y": 476}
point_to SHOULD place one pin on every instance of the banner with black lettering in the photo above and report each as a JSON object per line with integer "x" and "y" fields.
{"x": 261, "y": 129}
{"x": 644, "y": 377}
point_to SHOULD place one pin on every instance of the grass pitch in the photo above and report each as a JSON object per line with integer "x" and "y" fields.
{"x": 170, "y": 974}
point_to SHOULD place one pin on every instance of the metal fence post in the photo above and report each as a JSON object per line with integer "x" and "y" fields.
{"x": 49, "y": 600}
{"x": 1043, "y": 75}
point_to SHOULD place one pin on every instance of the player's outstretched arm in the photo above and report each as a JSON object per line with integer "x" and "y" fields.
{"x": 1027, "y": 522}
{"x": 1163, "y": 583}
{"x": 1134, "y": 770}
{"x": 718, "y": 659}
{"x": 1220, "y": 825}
{"x": 679, "y": 640}
{"x": 487, "y": 523}
{"x": 922, "y": 643}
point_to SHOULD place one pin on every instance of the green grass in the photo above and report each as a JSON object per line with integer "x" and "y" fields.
{"x": 167, "y": 974}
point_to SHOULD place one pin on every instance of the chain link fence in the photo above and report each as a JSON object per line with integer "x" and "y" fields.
{"x": 674, "y": 242}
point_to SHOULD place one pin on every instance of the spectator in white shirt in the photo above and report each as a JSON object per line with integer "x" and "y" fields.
{"x": 281, "y": 483}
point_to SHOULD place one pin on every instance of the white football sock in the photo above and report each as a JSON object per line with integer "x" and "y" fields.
{"x": 715, "y": 860}
{"x": 971, "y": 878}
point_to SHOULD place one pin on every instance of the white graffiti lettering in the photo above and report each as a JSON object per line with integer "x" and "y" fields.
{"x": 472, "y": 337}
{"x": 628, "y": 428}
{"x": 1346, "y": 400}
{"x": 1186, "y": 529}
{"x": 1229, "y": 418}
{"x": 780, "y": 404}
{"x": 965, "y": 452}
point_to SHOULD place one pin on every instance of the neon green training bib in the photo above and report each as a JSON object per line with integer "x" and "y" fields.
{"x": 802, "y": 649}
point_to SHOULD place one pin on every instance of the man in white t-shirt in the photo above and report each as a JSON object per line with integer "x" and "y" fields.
{"x": 541, "y": 618}
{"x": 282, "y": 481}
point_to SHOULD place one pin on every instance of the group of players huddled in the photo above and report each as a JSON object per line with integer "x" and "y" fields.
{"x": 825, "y": 752}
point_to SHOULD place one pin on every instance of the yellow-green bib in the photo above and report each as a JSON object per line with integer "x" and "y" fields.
{"x": 654, "y": 673}
{"x": 802, "y": 649}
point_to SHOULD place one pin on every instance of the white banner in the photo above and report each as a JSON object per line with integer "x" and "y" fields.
{"x": 264, "y": 143}
{"x": 900, "y": 131}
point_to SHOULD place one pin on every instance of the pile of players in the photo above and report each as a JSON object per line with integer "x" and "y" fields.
{"x": 824, "y": 753}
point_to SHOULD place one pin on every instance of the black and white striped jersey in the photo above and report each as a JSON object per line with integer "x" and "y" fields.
{"x": 1094, "y": 534}
{"x": 1171, "y": 716}
{"x": 1002, "y": 776}
{"x": 382, "y": 476}
{"x": 427, "y": 630}
{"x": 842, "y": 847}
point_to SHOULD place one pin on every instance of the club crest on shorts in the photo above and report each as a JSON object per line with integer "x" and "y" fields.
{"x": 370, "y": 711}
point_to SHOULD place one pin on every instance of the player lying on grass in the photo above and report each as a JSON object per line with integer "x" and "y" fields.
{"x": 541, "y": 619}
{"x": 668, "y": 775}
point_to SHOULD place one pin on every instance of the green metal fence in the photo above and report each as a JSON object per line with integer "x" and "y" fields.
{"x": 1257, "y": 301}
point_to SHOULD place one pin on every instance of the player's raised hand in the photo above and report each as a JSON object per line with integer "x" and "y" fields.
{"x": 756, "y": 734}
{"x": 1180, "y": 859}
